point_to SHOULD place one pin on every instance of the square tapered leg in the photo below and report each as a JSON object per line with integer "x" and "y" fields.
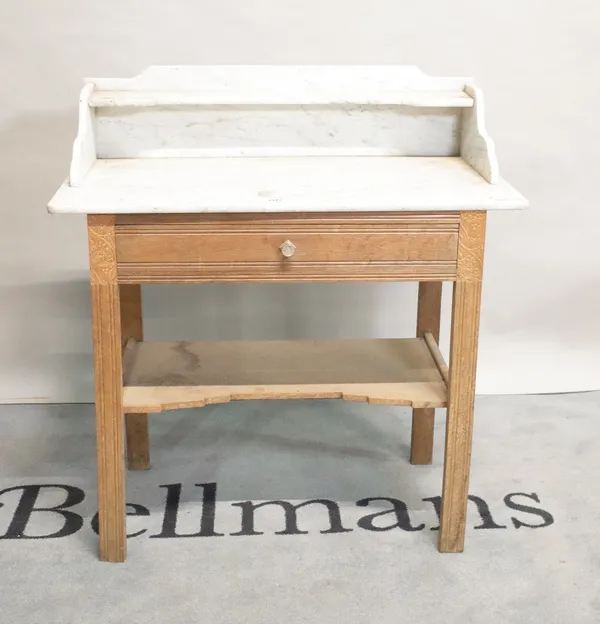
{"x": 136, "y": 425}
{"x": 423, "y": 419}
{"x": 461, "y": 391}
{"x": 108, "y": 381}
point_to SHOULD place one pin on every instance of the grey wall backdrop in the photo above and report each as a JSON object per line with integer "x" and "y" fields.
{"x": 537, "y": 62}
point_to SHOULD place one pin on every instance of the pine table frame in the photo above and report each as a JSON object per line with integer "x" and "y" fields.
{"x": 250, "y": 174}
{"x": 118, "y": 267}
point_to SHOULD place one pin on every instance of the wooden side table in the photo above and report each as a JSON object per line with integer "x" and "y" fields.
{"x": 282, "y": 174}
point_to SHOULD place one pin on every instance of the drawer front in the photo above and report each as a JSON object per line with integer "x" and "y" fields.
{"x": 271, "y": 248}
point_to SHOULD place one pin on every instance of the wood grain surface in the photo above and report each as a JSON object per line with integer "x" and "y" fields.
{"x": 106, "y": 330}
{"x": 351, "y": 247}
{"x": 136, "y": 424}
{"x": 170, "y": 375}
{"x": 423, "y": 419}
{"x": 461, "y": 391}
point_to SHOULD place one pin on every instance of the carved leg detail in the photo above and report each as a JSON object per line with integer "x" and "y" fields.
{"x": 106, "y": 329}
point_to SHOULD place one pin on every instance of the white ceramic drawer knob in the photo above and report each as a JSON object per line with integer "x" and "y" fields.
{"x": 288, "y": 249}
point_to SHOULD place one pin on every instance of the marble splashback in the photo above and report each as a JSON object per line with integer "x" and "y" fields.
{"x": 295, "y": 80}
{"x": 133, "y": 132}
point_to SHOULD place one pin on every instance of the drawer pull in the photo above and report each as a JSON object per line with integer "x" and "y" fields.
{"x": 288, "y": 249}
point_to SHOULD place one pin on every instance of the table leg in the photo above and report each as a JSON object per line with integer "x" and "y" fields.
{"x": 423, "y": 419}
{"x": 136, "y": 425}
{"x": 108, "y": 379}
{"x": 461, "y": 391}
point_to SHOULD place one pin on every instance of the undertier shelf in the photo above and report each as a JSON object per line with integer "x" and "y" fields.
{"x": 171, "y": 375}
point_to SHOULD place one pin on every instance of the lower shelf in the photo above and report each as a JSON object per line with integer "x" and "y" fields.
{"x": 170, "y": 375}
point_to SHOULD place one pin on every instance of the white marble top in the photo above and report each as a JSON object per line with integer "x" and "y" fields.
{"x": 282, "y": 138}
{"x": 283, "y": 184}
{"x": 294, "y": 84}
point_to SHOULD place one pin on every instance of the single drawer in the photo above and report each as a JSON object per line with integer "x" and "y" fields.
{"x": 271, "y": 247}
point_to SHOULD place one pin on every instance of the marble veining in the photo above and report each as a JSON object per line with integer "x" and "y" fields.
{"x": 290, "y": 184}
{"x": 162, "y": 131}
{"x": 282, "y": 138}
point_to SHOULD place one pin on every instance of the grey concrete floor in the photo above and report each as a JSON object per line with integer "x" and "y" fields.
{"x": 532, "y": 552}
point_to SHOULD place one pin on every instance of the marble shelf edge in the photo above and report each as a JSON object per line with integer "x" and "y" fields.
{"x": 84, "y": 145}
{"x": 474, "y": 145}
{"x": 222, "y": 85}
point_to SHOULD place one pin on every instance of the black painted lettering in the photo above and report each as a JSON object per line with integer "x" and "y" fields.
{"x": 207, "y": 521}
{"x": 437, "y": 505}
{"x": 291, "y": 517}
{"x": 483, "y": 509}
{"x": 26, "y": 507}
{"x": 399, "y": 511}
{"x": 138, "y": 510}
{"x": 536, "y": 511}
